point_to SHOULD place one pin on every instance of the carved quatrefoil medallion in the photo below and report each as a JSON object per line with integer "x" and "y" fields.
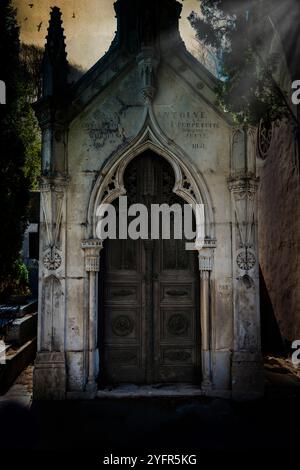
{"x": 52, "y": 260}
{"x": 246, "y": 260}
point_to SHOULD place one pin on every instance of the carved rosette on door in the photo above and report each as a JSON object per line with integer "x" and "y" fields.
{"x": 52, "y": 267}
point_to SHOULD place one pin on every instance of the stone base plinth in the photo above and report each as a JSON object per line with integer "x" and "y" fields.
{"x": 49, "y": 376}
{"x": 247, "y": 376}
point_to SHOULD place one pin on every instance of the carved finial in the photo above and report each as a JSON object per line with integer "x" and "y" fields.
{"x": 148, "y": 64}
{"x": 55, "y": 64}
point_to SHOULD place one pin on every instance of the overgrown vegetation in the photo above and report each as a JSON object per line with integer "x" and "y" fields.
{"x": 240, "y": 32}
{"x": 20, "y": 153}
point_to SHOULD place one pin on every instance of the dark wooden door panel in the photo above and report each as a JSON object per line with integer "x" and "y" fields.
{"x": 150, "y": 301}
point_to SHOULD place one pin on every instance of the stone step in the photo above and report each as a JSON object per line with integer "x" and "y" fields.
{"x": 21, "y": 330}
{"x": 15, "y": 362}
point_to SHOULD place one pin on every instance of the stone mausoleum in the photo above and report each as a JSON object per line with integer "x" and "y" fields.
{"x": 144, "y": 122}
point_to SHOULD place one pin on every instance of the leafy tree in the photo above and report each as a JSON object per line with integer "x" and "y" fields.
{"x": 20, "y": 144}
{"x": 240, "y": 32}
{"x": 17, "y": 142}
{"x": 31, "y": 90}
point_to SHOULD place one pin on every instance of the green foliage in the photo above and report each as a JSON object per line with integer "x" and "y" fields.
{"x": 30, "y": 64}
{"x": 240, "y": 33}
{"x": 29, "y": 132}
{"x": 16, "y": 282}
{"x": 20, "y": 152}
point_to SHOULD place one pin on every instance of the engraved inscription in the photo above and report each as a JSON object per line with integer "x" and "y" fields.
{"x": 194, "y": 125}
{"x": 105, "y": 127}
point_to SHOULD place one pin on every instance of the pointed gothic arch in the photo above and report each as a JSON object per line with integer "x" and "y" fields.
{"x": 110, "y": 182}
{"x": 191, "y": 187}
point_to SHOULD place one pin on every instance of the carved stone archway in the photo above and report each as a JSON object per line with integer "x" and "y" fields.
{"x": 108, "y": 187}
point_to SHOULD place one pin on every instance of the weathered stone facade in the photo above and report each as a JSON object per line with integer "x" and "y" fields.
{"x": 147, "y": 92}
{"x": 278, "y": 197}
{"x": 279, "y": 213}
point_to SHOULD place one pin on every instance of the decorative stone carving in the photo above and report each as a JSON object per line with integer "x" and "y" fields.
{"x": 122, "y": 325}
{"x": 111, "y": 185}
{"x": 205, "y": 262}
{"x": 52, "y": 259}
{"x": 244, "y": 198}
{"x": 243, "y": 151}
{"x": 148, "y": 64}
{"x": 52, "y": 336}
{"x": 92, "y": 248}
{"x": 246, "y": 260}
{"x": 177, "y": 325}
{"x": 264, "y": 138}
{"x": 187, "y": 185}
{"x": 52, "y": 202}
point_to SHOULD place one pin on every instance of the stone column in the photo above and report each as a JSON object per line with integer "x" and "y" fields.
{"x": 247, "y": 378}
{"x": 92, "y": 250}
{"x": 49, "y": 379}
{"x": 205, "y": 267}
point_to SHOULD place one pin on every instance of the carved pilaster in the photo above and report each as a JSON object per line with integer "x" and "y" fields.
{"x": 205, "y": 267}
{"x": 50, "y": 371}
{"x": 205, "y": 263}
{"x": 147, "y": 63}
{"x": 246, "y": 377}
{"x": 243, "y": 151}
{"x": 52, "y": 202}
{"x": 92, "y": 248}
{"x": 243, "y": 192}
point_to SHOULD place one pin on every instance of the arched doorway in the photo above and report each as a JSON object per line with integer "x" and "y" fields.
{"x": 149, "y": 320}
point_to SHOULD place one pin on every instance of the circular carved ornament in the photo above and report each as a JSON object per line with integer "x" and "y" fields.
{"x": 122, "y": 325}
{"x": 264, "y": 138}
{"x": 177, "y": 325}
{"x": 52, "y": 260}
{"x": 246, "y": 260}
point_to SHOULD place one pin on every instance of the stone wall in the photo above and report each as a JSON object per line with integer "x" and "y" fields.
{"x": 279, "y": 229}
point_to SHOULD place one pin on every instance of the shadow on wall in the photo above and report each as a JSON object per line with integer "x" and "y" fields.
{"x": 271, "y": 339}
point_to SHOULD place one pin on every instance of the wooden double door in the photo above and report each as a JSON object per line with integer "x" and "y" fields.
{"x": 149, "y": 325}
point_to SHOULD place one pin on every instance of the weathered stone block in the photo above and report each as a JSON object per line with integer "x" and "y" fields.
{"x": 49, "y": 376}
{"x": 247, "y": 376}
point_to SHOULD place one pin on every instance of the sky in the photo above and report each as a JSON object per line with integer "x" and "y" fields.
{"x": 89, "y": 25}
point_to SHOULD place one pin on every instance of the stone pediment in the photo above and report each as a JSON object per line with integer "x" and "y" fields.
{"x": 109, "y": 71}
